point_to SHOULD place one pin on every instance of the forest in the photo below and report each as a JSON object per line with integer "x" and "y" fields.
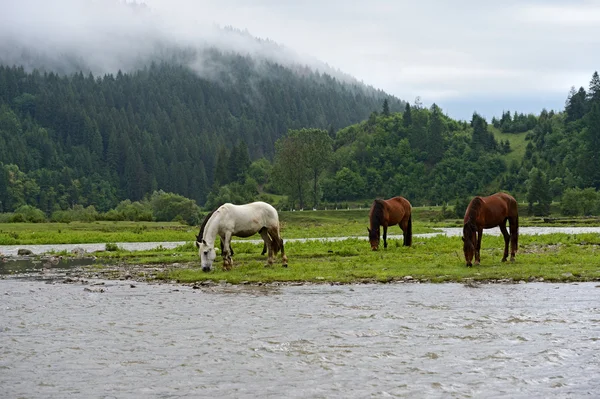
{"x": 79, "y": 139}
{"x": 298, "y": 138}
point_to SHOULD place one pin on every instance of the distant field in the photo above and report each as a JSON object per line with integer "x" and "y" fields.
{"x": 517, "y": 144}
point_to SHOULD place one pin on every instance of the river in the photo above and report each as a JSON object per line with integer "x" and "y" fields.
{"x": 118, "y": 339}
{"x": 11, "y": 250}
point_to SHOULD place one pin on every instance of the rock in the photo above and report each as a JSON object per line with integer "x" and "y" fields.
{"x": 86, "y": 289}
{"x": 78, "y": 251}
{"x": 24, "y": 252}
{"x": 408, "y": 278}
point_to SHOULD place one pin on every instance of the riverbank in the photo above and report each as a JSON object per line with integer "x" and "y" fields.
{"x": 554, "y": 257}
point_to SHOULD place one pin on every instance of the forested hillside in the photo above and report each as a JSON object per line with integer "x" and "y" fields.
{"x": 97, "y": 140}
{"x": 431, "y": 159}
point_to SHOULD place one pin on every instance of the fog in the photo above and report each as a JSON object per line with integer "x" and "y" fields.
{"x": 105, "y": 36}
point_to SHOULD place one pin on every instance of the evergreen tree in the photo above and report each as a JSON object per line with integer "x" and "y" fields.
{"x": 435, "y": 135}
{"x": 221, "y": 170}
{"x": 386, "y": 108}
{"x": 576, "y": 104}
{"x": 594, "y": 90}
{"x": 538, "y": 191}
{"x": 591, "y": 154}
{"x": 406, "y": 116}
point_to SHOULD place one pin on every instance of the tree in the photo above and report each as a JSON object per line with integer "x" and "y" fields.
{"x": 406, "y": 116}
{"x": 290, "y": 171}
{"x": 538, "y": 191}
{"x": 575, "y": 105}
{"x": 386, "y": 108}
{"x": 318, "y": 148}
{"x": 435, "y": 135}
{"x": 591, "y": 136}
{"x": 594, "y": 90}
{"x": 300, "y": 157}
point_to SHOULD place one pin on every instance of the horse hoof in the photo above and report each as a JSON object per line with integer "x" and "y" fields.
{"x": 284, "y": 265}
{"x": 503, "y": 259}
{"x": 512, "y": 260}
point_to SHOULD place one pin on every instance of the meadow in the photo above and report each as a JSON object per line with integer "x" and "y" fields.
{"x": 554, "y": 257}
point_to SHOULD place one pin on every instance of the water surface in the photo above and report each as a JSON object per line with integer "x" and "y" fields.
{"x": 11, "y": 250}
{"x": 114, "y": 339}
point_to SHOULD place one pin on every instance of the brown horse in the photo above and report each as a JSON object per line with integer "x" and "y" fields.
{"x": 486, "y": 213}
{"x": 386, "y": 213}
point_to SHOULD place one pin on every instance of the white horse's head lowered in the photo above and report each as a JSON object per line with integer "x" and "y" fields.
{"x": 207, "y": 255}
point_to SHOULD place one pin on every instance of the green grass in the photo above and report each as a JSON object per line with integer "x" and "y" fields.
{"x": 517, "y": 144}
{"x": 557, "y": 257}
{"x": 80, "y": 232}
{"x": 299, "y": 224}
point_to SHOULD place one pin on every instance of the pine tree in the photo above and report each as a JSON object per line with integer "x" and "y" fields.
{"x": 435, "y": 135}
{"x": 386, "y": 108}
{"x": 593, "y": 94}
{"x": 406, "y": 116}
{"x": 576, "y": 104}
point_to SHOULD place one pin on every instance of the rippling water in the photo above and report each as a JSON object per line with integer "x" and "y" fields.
{"x": 403, "y": 340}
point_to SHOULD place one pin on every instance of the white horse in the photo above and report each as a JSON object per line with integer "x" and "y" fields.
{"x": 241, "y": 221}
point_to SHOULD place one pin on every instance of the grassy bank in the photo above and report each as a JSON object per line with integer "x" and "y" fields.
{"x": 555, "y": 257}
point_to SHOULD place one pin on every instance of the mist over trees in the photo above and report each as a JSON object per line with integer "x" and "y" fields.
{"x": 216, "y": 125}
{"x": 84, "y": 139}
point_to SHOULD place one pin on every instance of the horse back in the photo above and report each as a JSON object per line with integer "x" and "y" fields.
{"x": 246, "y": 220}
{"x": 397, "y": 209}
{"x": 496, "y": 208}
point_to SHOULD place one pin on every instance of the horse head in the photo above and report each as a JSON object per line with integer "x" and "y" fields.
{"x": 469, "y": 238}
{"x": 374, "y": 238}
{"x": 207, "y": 255}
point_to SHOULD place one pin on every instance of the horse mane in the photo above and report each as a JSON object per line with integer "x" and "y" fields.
{"x": 200, "y": 235}
{"x": 377, "y": 213}
{"x": 471, "y": 214}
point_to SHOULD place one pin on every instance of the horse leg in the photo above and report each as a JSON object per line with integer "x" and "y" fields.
{"x": 230, "y": 247}
{"x": 277, "y": 242}
{"x": 264, "y": 233}
{"x": 514, "y": 237}
{"x": 385, "y": 236}
{"x": 506, "y": 239}
{"x": 478, "y": 247}
{"x": 284, "y": 258}
{"x": 227, "y": 261}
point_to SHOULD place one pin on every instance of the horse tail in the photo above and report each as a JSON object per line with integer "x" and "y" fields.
{"x": 276, "y": 241}
{"x": 408, "y": 232}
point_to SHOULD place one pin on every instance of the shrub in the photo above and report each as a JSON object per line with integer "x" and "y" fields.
{"x": 167, "y": 207}
{"x": 77, "y": 213}
{"x": 27, "y": 213}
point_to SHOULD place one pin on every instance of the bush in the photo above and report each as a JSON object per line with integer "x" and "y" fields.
{"x": 167, "y": 207}
{"x": 27, "y": 213}
{"x": 134, "y": 211}
{"x": 77, "y": 213}
{"x": 576, "y": 201}
{"x": 111, "y": 247}
{"x": 460, "y": 206}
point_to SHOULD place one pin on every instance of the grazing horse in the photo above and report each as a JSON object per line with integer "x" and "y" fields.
{"x": 486, "y": 213}
{"x": 241, "y": 221}
{"x": 386, "y": 213}
{"x": 203, "y": 226}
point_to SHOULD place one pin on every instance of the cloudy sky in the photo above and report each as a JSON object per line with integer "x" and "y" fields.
{"x": 464, "y": 55}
